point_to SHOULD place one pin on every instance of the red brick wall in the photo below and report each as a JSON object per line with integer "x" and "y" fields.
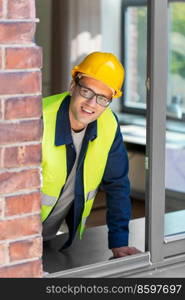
{"x": 20, "y": 136}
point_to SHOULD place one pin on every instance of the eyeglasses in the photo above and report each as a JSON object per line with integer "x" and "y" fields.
{"x": 89, "y": 94}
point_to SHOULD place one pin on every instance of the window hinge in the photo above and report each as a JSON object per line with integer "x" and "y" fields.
{"x": 147, "y": 82}
{"x": 146, "y": 163}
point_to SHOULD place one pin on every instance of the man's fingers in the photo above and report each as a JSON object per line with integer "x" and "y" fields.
{"x": 133, "y": 250}
{"x": 124, "y": 251}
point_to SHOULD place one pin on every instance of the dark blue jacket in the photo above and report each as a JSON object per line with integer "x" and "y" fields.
{"x": 115, "y": 180}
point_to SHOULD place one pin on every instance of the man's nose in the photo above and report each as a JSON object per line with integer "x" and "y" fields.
{"x": 92, "y": 101}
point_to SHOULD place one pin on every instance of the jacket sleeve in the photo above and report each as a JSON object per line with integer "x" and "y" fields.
{"x": 117, "y": 187}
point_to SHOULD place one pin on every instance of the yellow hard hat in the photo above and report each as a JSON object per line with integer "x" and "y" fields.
{"x": 104, "y": 67}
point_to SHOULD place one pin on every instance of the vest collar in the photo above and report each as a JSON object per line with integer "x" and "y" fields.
{"x": 63, "y": 128}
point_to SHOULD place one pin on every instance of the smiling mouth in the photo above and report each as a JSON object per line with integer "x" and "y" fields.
{"x": 88, "y": 111}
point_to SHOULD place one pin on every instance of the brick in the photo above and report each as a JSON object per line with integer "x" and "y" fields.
{"x": 11, "y": 182}
{"x": 1, "y": 112}
{"x": 20, "y": 83}
{"x": 0, "y": 59}
{"x": 1, "y": 157}
{"x": 22, "y": 204}
{"x": 1, "y": 207}
{"x": 22, "y": 156}
{"x": 23, "y": 58}
{"x": 3, "y": 250}
{"x": 24, "y": 131}
{"x": 31, "y": 248}
{"x": 22, "y": 107}
{"x": 1, "y": 8}
{"x": 17, "y": 33}
{"x": 21, "y": 9}
{"x": 18, "y": 228}
{"x": 31, "y": 269}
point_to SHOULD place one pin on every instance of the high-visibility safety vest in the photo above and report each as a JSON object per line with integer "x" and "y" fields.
{"x": 54, "y": 165}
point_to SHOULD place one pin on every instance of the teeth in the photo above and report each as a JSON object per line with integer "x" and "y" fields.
{"x": 86, "y": 110}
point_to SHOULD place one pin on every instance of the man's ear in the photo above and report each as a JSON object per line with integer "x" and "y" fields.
{"x": 71, "y": 87}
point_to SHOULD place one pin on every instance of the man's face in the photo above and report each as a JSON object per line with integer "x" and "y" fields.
{"x": 83, "y": 111}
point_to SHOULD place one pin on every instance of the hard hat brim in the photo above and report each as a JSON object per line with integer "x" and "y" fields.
{"x": 75, "y": 70}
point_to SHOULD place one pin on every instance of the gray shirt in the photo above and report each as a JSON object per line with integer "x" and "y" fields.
{"x": 57, "y": 216}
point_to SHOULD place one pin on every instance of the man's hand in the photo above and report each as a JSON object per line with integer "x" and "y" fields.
{"x": 124, "y": 251}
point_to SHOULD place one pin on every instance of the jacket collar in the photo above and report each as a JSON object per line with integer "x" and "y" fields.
{"x": 63, "y": 128}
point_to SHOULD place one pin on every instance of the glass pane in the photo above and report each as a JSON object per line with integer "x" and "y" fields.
{"x": 176, "y": 87}
{"x": 175, "y": 140}
{"x": 135, "y": 56}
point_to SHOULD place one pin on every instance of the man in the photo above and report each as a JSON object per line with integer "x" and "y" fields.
{"x": 83, "y": 149}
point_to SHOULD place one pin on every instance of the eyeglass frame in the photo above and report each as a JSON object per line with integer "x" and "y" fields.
{"x": 77, "y": 81}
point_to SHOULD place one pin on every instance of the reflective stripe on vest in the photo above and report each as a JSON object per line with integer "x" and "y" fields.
{"x": 53, "y": 157}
